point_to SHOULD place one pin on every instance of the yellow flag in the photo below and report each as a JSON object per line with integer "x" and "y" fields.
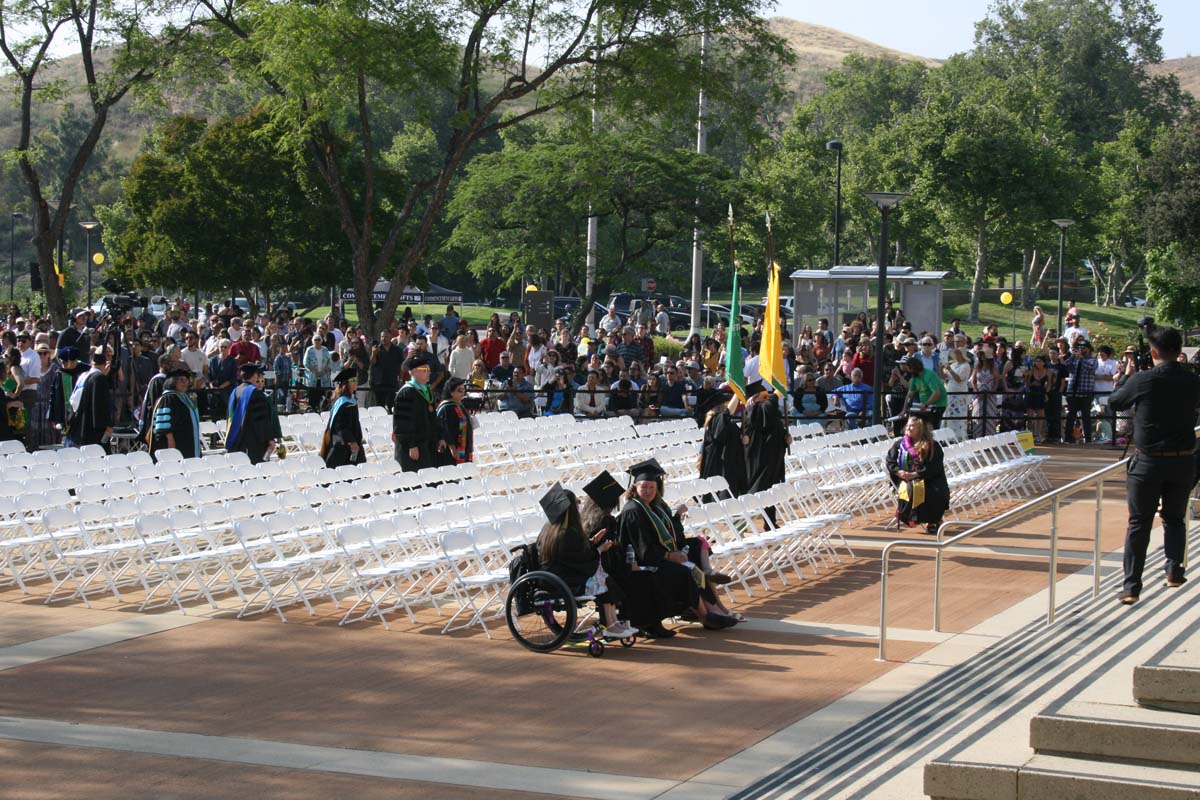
{"x": 770, "y": 350}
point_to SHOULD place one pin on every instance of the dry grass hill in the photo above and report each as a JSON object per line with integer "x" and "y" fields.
{"x": 820, "y": 50}
{"x": 1188, "y": 70}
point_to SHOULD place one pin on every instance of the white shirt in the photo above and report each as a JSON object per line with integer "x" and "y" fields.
{"x": 1074, "y": 334}
{"x": 1106, "y": 371}
{"x": 662, "y": 320}
{"x": 750, "y": 370}
{"x": 31, "y": 364}
{"x": 610, "y": 323}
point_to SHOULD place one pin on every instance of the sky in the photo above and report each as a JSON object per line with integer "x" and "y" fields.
{"x": 940, "y": 28}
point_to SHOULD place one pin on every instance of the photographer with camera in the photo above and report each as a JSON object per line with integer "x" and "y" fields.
{"x": 1165, "y": 400}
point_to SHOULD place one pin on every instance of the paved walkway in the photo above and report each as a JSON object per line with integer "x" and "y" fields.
{"x": 198, "y": 706}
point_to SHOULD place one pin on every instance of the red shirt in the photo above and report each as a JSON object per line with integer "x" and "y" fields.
{"x": 491, "y": 348}
{"x": 246, "y": 352}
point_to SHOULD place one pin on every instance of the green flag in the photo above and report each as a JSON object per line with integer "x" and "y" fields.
{"x": 735, "y": 372}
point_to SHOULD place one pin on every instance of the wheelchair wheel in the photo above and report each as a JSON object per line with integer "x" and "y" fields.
{"x": 540, "y": 611}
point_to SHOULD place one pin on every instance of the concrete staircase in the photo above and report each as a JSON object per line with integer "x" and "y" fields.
{"x": 1097, "y": 741}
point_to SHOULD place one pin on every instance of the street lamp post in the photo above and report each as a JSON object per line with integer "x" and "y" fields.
{"x": 885, "y": 201}
{"x": 1062, "y": 224}
{"x": 88, "y": 227}
{"x": 12, "y": 259}
{"x": 836, "y": 146}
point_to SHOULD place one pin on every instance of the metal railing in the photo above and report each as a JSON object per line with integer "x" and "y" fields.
{"x": 1052, "y": 498}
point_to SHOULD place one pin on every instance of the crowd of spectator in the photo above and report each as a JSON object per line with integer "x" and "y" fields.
{"x": 1057, "y": 386}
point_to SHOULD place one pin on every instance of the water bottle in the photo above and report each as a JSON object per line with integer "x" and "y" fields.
{"x": 630, "y": 558}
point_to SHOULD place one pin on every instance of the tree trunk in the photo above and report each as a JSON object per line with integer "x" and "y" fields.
{"x": 582, "y": 314}
{"x": 1028, "y": 259}
{"x": 45, "y": 242}
{"x": 980, "y": 280}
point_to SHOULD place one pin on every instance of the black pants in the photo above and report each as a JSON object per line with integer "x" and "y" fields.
{"x": 1151, "y": 479}
{"x": 1053, "y": 417}
{"x": 384, "y": 396}
{"x": 1078, "y": 407}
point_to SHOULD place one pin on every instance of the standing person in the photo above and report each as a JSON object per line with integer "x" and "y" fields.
{"x": 386, "y": 360}
{"x": 415, "y": 428}
{"x": 343, "y": 442}
{"x": 462, "y": 357}
{"x": 926, "y": 392}
{"x": 1058, "y": 376}
{"x": 767, "y": 440}
{"x": 249, "y": 428}
{"x": 456, "y": 423}
{"x": 175, "y": 419}
{"x": 31, "y": 369}
{"x": 957, "y": 372}
{"x": 91, "y": 406}
{"x": 1106, "y": 373}
{"x": 318, "y": 365}
{"x": 985, "y": 381}
{"x": 17, "y": 421}
{"x": 61, "y": 386}
{"x": 1081, "y": 386}
{"x": 917, "y": 468}
{"x": 1039, "y": 327}
{"x": 723, "y": 451}
{"x": 1037, "y": 382}
{"x": 223, "y": 370}
{"x": 1163, "y": 465}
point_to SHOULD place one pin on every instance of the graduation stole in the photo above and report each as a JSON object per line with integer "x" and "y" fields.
{"x": 662, "y": 527}
{"x": 422, "y": 389}
{"x": 460, "y": 439}
{"x": 338, "y": 405}
{"x": 239, "y": 402}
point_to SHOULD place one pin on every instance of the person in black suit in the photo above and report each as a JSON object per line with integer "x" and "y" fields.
{"x": 1162, "y": 468}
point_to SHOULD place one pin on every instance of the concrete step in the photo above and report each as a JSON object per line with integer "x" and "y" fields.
{"x": 1127, "y": 732}
{"x": 1171, "y": 681}
{"x": 1059, "y": 778}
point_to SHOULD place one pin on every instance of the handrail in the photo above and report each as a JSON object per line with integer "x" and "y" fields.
{"x": 1052, "y": 498}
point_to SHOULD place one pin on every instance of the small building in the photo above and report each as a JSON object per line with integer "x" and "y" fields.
{"x": 840, "y": 294}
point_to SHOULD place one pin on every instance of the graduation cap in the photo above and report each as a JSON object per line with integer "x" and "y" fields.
{"x": 417, "y": 361}
{"x": 556, "y": 502}
{"x": 68, "y": 353}
{"x": 250, "y": 370}
{"x": 346, "y": 375}
{"x": 604, "y": 490}
{"x": 648, "y": 470}
{"x": 179, "y": 373}
{"x": 714, "y": 400}
{"x": 753, "y": 389}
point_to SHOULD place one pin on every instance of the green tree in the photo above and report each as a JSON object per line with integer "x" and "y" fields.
{"x": 327, "y": 62}
{"x": 1170, "y": 214}
{"x": 123, "y": 46}
{"x": 215, "y": 207}
{"x": 979, "y": 167}
{"x": 524, "y": 210}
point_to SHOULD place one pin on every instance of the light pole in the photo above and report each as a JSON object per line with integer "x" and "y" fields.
{"x": 12, "y": 260}
{"x": 836, "y": 146}
{"x": 88, "y": 227}
{"x": 885, "y": 201}
{"x": 1062, "y": 224}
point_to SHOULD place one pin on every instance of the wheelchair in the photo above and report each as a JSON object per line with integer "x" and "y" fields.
{"x": 542, "y": 614}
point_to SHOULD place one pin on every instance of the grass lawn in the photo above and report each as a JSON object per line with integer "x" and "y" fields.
{"x": 1116, "y": 324}
{"x": 476, "y": 316}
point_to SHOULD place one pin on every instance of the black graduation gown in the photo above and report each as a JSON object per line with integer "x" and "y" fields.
{"x": 59, "y": 398}
{"x": 343, "y": 430}
{"x": 937, "y": 490}
{"x": 180, "y": 427}
{"x": 415, "y": 425}
{"x": 723, "y": 453}
{"x": 94, "y": 414}
{"x": 575, "y": 561}
{"x": 767, "y": 451}
{"x": 154, "y": 390}
{"x": 633, "y": 592}
{"x": 256, "y": 428}
{"x": 675, "y": 589}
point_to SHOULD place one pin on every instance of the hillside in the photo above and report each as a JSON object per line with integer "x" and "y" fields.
{"x": 1188, "y": 70}
{"x": 820, "y": 50}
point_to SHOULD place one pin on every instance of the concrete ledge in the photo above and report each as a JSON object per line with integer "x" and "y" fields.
{"x": 1101, "y": 730}
{"x": 963, "y": 780}
{"x": 1168, "y": 687}
{"x": 1057, "y": 778}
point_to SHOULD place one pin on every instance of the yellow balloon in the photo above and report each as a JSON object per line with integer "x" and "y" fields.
{"x": 98, "y": 258}
{"x": 531, "y": 288}
{"x": 1006, "y": 297}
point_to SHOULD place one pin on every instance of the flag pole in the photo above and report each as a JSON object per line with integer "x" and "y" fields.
{"x": 772, "y": 279}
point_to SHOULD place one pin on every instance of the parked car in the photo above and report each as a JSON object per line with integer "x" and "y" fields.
{"x": 721, "y": 312}
{"x": 158, "y": 306}
{"x": 1130, "y": 301}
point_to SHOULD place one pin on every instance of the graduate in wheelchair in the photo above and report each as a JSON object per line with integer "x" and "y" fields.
{"x": 544, "y": 600}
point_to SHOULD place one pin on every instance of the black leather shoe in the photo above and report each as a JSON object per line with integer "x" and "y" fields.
{"x": 657, "y": 631}
{"x": 1128, "y": 599}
